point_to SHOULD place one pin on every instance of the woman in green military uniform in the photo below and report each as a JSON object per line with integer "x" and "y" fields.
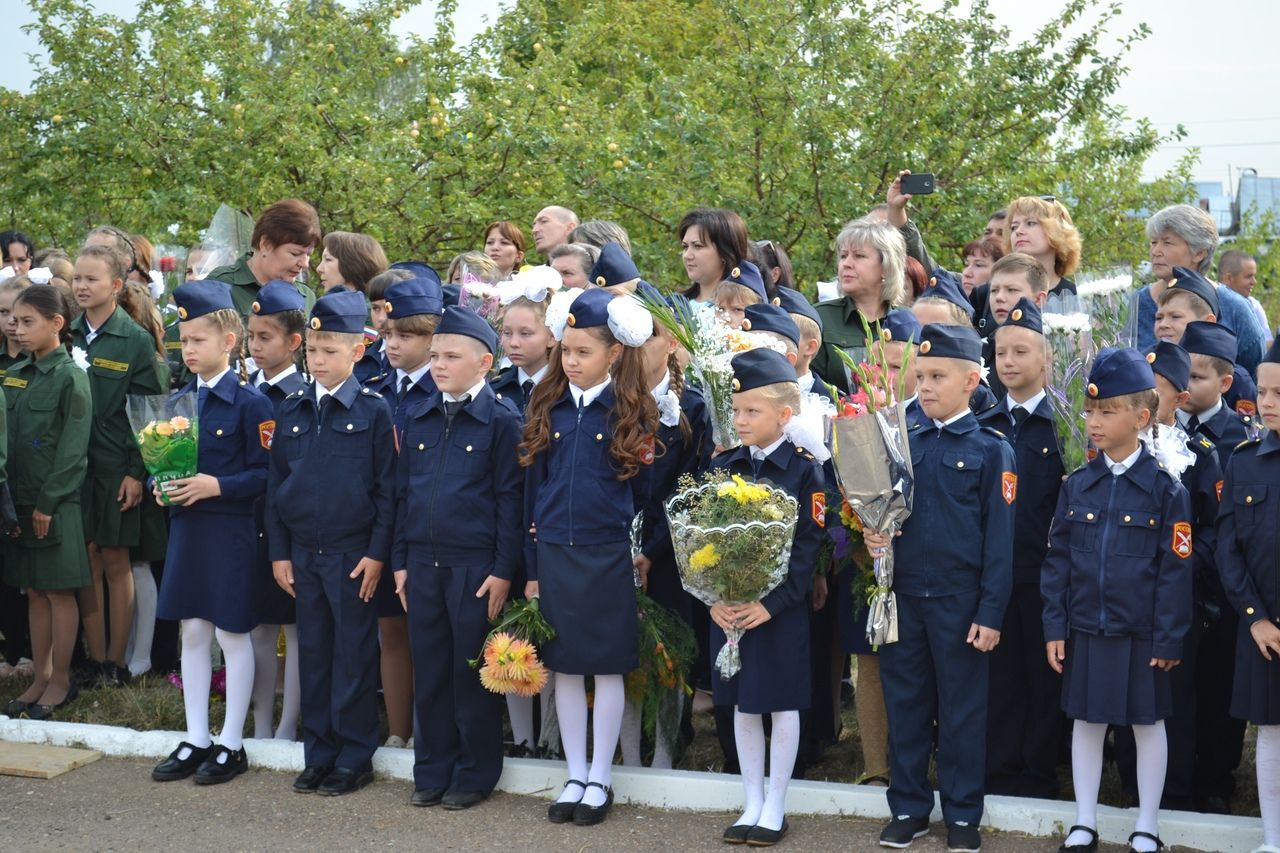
{"x": 123, "y": 360}
{"x": 870, "y": 276}
{"x": 49, "y": 416}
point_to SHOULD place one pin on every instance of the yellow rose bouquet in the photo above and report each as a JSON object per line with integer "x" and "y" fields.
{"x": 167, "y": 431}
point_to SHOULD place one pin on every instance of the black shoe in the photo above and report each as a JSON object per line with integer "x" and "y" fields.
{"x": 214, "y": 772}
{"x": 963, "y": 838}
{"x": 1091, "y": 847}
{"x": 902, "y": 830}
{"x": 310, "y": 778}
{"x": 174, "y": 768}
{"x": 585, "y": 815}
{"x": 761, "y": 837}
{"x": 563, "y": 812}
{"x": 87, "y": 674}
{"x": 17, "y": 707}
{"x": 112, "y": 675}
{"x": 456, "y": 801}
{"x": 1159, "y": 843}
{"x": 344, "y": 780}
{"x": 426, "y": 797}
{"x": 737, "y": 834}
{"x": 44, "y": 712}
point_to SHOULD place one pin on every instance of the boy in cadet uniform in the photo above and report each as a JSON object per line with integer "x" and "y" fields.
{"x": 806, "y": 318}
{"x": 1013, "y": 277}
{"x": 900, "y": 331}
{"x": 953, "y": 572}
{"x": 1220, "y": 737}
{"x": 943, "y": 302}
{"x": 742, "y": 287}
{"x": 1025, "y": 721}
{"x": 459, "y": 495}
{"x": 1190, "y": 297}
{"x": 329, "y": 512}
{"x": 412, "y": 308}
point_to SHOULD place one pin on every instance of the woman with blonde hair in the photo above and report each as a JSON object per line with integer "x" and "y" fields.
{"x": 1041, "y": 227}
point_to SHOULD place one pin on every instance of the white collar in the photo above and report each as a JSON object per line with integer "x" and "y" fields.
{"x": 415, "y": 376}
{"x": 322, "y": 392}
{"x": 1118, "y": 468}
{"x": 805, "y": 381}
{"x": 1030, "y": 405}
{"x": 263, "y": 380}
{"x": 585, "y": 397}
{"x": 200, "y": 383}
{"x": 536, "y": 378}
{"x": 766, "y": 452}
{"x": 473, "y": 392}
{"x": 1207, "y": 415}
{"x": 940, "y": 424}
{"x": 660, "y": 390}
{"x": 907, "y": 402}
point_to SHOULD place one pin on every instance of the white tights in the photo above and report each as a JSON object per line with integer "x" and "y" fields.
{"x": 1086, "y": 775}
{"x": 571, "y": 709}
{"x": 764, "y": 811}
{"x": 143, "y": 629}
{"x": 1268, "y": 764}
{"x": 197, "y": 671}
{"x": 265, "y": 670}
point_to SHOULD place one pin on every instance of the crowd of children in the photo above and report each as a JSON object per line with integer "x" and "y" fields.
{"x": 379, "y": 496}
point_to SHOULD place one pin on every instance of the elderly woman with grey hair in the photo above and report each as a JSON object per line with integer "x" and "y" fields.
{"x": 870, "y": 273}
{"x": 1184, "y": 236}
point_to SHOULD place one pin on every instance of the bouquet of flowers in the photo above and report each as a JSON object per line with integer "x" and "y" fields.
{"x": 510, "y": 652}
{"x": 167, "y": 430}
{"x": 1109, "y": 303}
{"x": 1069, "y": 339}
{"x": 711, "y": 345}
{"x": 732, "y": 543}
{"x": 668, "y": 650}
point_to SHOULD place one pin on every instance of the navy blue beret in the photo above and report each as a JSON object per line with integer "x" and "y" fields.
{"x": 944, "y": 285}
{"x": 614, "y": 266}
{"x": 1027, "y": 315}
{"x": 747, "y": 274}
{"x": 793, "y": 302}
{"x": 1190, "y": 281}
{"x": 277, "y": 296}
{"x": 590, "y": 308}
{"x": 899, "y": 326}
{"x": 413, "y": 296}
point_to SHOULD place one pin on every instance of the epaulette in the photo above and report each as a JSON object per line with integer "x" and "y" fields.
{"x": 371, "y": 393}
{"x": 997, "y": 433}
{"x": 243, "y": 383}
{"x": 800, "y": 451}
{"x": 1206, "y": 443}
{"x": 1247, "y": 442}
{"x": 914, "y": 426}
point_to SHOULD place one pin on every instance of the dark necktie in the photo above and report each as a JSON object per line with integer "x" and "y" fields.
{"x": 757, "y": 462}
{"x": 405, "y": 384}
{"x": 1020, "y": 414}
{"x": 452, "y": 407}
{"x": 323, "y": 404}
{"x": 526, "y": 388}
{"x": 1193, "y": 424}
{"x": 202, "y": 394}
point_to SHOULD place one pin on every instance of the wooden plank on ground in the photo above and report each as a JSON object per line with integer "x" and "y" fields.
{"x": 41, "y": 761}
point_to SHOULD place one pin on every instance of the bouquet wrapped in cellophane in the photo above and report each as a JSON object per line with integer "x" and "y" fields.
{"x": 873, "y": 466}
{"x": 510, "y": 653}
{"x": 732, "y": 542}
{"x": 167, "y": 431}
{"x": 1069, "y": 340}
{"x": 711, "y": 344}
{"x": 1109, "y": 302}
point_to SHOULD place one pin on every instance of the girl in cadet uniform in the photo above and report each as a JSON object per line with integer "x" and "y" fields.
{"x": 209, "y": 580}
{"x": 122, "y": 361}
{"x": 277, "y": 323}
{"x": 49, "y": 417}
{"x": 589, "y": 448}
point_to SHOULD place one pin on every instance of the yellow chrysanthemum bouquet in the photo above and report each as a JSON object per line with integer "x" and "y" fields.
{"x": 732, "y": 542}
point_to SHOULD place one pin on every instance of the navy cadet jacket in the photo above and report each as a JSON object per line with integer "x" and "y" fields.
{"x": 332, "y": 478}
{"x": 1119, "y": 556}
{"x": 506, "y": 385}
{"x": 959, "y": 536}
{"x": 1035, "y": 447}
{"x": 796, "y": 472}
{"x": 276, "y": 393}
{"x": 675, "y": 458}
{"x": 373, "y": 366}
{"x": 572, "y": 492}
{"x": 1203, "y": 482}
{"x": 1226, "y": 430}
{"x": 1251, "y": 513}
{"x": 460, "y": 487}
{"x": 236, "y": 424}
{"x": 388, "y": 385}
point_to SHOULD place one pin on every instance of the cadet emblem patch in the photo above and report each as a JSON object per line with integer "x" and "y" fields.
{"x": 647, "y": 452}
{"x": 1218, "y": 488}
{"x": 1246, "y": 408}
{"x": 818, "y": 507}
{"x": 266, "y": 432}
{"x": 1009, "y": 486}
{"x": 1182, "y": 539}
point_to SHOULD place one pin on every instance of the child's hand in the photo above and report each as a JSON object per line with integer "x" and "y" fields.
{"x": 1056, "y": 650}
{"x": 1164, "y": 664}
{"x": 372, "y": 570}
{"x": 401, "y": 577}
{"x": 751, "y": 615}
{"x": 158, "y": 492}
{"x": 130, "y": 493}
{"x": 643, "y": 564}
{"x": 497, "y": 589}
{"x": 531, "y": 589}
{"x": 1267, "y": 636}
{"x": 40, "y": 523}
{"x": 982, "y": 638}
{"x": 877, "y": 543}
{"x": 283, "y": 571}
{"x": 189, "y": 490}
{"x": 820, "y": 592}
{"x": 723, "y": 615}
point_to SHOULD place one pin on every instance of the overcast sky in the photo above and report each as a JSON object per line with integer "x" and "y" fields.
{"x": 1211, "y": 66}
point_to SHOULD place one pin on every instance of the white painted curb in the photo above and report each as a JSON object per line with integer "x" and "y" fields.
{"x": 683, "y": 789}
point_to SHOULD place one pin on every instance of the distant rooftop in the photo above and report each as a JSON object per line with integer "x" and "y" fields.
{"x": 1255, "y": 191}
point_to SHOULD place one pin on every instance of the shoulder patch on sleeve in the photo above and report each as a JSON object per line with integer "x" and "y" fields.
{"x": 1009, "y": 486}
{"x": 1218, "y": 488}
{"x": 1182, "y": 539}
{"x": 266, "y": 432}
{"x": 818, "y": 507}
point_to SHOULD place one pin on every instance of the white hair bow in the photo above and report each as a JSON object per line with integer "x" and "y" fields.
{"x": 558, "y": 311}
{"x": 533, "y": 284}
{"x": 630, "y": 322}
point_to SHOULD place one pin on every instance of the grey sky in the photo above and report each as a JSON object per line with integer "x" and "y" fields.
{"x": 1211, "y": 66}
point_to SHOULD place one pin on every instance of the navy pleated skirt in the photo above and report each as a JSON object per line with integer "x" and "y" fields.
{"x": 1111, "y": 680}
{"x": 210, "y": 570}
{"x": 1255, "y": 695}
{"x": 588, "y": 594}
{"x": 776, "y": 672}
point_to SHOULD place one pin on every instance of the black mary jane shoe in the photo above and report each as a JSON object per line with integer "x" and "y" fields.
{"x": 344, "y": 780}
{"x": 737, "y": 834}
{"x": 456, "y": 801}
{"x": 310, "y": 778}
{"x": 426, "y": 797}
{"x": 1091, "y": 847}
{"x": 17, "y": 707}
{"x": 214, "y": 772}
{"x": 585, "y": 815}
{"x": 174, "y": 768}
{"x": 761, "y": 837}
{"x": 1159, "y": 843}
{"x": 44, "y": 712}
{"x": 563, "y": 812}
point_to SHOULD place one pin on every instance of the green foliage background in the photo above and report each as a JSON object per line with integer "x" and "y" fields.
{"x": 795, "y": 112}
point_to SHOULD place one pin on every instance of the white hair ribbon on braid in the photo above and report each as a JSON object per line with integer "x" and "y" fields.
{"x": 558, "y": 311}
{"x": 39, "y": 275}
{"x": 534, "y": 284}
{"x": 809, "y": 427}
{"x": 630, "y": 322}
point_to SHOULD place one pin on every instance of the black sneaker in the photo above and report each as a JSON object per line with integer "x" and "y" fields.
{"x": 963, "y": 837}
{"x": 902, "y": 830}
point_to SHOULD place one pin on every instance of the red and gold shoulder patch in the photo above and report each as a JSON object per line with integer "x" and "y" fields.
{"x": 1246, "y": 408}
{"x": 818, "y": 507}
{"x": 1182, "y": 539}
{"x": 1009, "y": 486}
{"x": 266, "y": 432}
{"x": 647, "y": 452}
{"x": 1218, "y": 488}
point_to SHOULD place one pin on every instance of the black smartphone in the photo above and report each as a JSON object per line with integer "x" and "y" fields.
{"x": 917, "y": 184}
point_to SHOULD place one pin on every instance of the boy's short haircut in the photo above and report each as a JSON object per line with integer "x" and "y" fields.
{"x": 736, "y": 294}
{"x": 958, "y": 315}
{"x": 348, "y": 338}
{"x": 415, "y": 324}
{"x": 782, "y": 394}
{"x": 1220, "y": 366}
{"x": 1195, "y": 304}
{"x": 379, "y": 283}
{"x": 792, "y": 347}
{"x": 809, "y": 330}
{"x": 1019, "y": 263}
{"x": 1146, "y": 399}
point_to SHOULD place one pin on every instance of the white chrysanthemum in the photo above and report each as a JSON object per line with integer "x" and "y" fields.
{"x": 1068, "y": 323}
{"x": 630, "y": 322}
{"x": 1104, "y": 286}
{"x": 81, "y": 358}
{"x": 558, "y": 311}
